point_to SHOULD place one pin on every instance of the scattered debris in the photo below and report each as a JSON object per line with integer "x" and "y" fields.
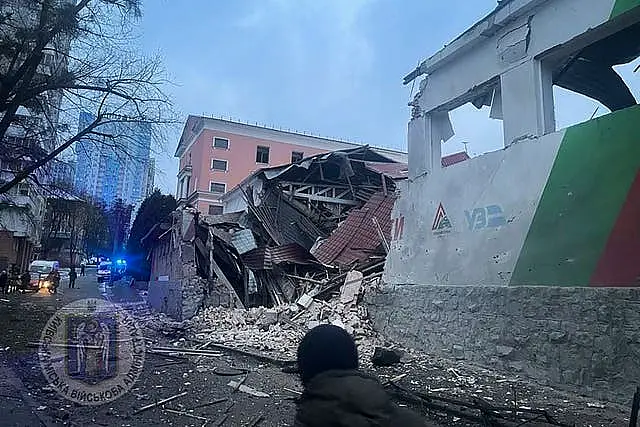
{"x": 159, "y": 403}
{"x": 213, "y": 402}
{"x": 595, "y": 405}
{"x": 351, "y": 289}
{"x": 235, "y": 373}
{"x": 395, "y": 379}
{"x": 184, "y": 351}
{"x": 246, "y": 389}
{"x": 186, "y": 414}
{"x": 478, "y": 410}
{"x": 299, "y": 393}
{"x": 238, "y": 384}
{"x": 305, "y": 301}
{"x": 385, "y": 357}
{"x": 256, "y": 420}
{"x": 275, "y": 332}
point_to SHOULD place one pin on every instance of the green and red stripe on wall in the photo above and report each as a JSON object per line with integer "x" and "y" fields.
{"x": 586, "y": 228}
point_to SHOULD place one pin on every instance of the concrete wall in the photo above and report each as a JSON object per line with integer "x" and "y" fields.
{"x": 587, "y": 340}
{"x": 557, "y": 210}
{"x": 455, "y": 254}
{"x": 505, "y": 245}
{"x": 165, "y": 297}
{"x": 477, "y": 58}
{"x": 184, "y": 291}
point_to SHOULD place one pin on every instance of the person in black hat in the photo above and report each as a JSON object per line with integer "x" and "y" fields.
{"x": 336, "y": 393}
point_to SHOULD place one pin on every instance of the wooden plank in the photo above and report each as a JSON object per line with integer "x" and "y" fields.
{"x": 383, "y": 239}
{"x": 326, "y": 199}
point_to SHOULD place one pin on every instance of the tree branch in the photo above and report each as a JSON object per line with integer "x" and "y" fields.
{"x": 28, "y": 170}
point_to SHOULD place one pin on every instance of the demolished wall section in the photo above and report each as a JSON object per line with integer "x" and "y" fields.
{"x": 582, "y": 339}
{"x": 182, "y": 286}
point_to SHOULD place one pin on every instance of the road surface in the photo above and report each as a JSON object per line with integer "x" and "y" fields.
{"x": 26, "y": 399}
{"x": 22, "y": 318}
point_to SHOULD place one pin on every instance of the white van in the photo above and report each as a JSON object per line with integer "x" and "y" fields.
{"x": 40, "y": 272}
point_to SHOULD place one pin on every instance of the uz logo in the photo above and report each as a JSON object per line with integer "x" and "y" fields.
{"x": 487, "y": 217}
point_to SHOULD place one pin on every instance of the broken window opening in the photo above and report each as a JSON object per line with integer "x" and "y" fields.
{"x": 597, "y": 79}
{"x": 477, "y": 129}
{"x": 296, "y": 156}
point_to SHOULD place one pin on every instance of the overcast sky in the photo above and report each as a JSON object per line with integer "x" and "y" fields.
{"x": 330, "y": 67}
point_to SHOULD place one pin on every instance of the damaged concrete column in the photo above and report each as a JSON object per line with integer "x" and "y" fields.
{"x": 424, "y": 145}
{"x": 527, "y": 101}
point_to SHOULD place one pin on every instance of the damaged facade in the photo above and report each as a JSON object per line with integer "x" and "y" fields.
{"x": 185, "y": 274}
{"x": 288, "y": 233}
{"x": 263, "y": 253}
{"x": 556, "y": 208}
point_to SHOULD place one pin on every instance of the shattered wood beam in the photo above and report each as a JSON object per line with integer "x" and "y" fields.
{"x": 328, "y": 199}
{"x": 256, "y": 213}
{"x": 257, "y": 356}
{"x": 383, "y": 239}
{"x": 218, "y": 271}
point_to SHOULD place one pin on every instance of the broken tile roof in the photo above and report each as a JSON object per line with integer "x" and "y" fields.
{"x": 266, "y": 257}
{"x": 392, "y": 170}
{"x": 357, "y": 237}
{"x": 454, "y": 158}
{"x": 401, "y": 170}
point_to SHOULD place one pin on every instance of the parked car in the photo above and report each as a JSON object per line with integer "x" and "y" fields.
{"x": 104, "y": 271}
{"x": 42, "y": 274}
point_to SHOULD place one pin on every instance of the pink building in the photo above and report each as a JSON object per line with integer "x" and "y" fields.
{"x": 216, "y": 155}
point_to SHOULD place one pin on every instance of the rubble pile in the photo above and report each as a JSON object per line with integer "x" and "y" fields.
{"x": 161, "y": 324}
{"x": 277, "y": 331}
{"x": 292, "y": 231}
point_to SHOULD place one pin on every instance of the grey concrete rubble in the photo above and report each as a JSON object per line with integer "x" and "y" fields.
{"x": 440, "y": 378}
{"x": 277, "y": 331}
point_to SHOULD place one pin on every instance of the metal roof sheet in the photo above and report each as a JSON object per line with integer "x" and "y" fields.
{"x": 357, "y": 237}
{"x": 265, "y": 258}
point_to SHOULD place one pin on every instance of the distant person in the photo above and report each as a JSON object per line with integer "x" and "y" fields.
{"x": 72, "y": 278}
{"x": 54, "y": 277}
{"x": 25, "y": 278}
{"x": 82, "y": 267}
{"x": 336, "y": 393}
{"x": 4, "y": 281}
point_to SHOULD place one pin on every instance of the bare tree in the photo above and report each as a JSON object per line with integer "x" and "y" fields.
{"x": 61, "y": 58}
{"x": 64, "y": 225}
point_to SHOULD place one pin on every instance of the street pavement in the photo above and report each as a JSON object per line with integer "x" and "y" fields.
{"x": 201, "y": 384}
{"x": 27, "y": 399}
{"x": 22, "y": 317}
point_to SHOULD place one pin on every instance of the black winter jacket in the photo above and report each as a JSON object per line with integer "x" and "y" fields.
{"x": 350, "y": 399}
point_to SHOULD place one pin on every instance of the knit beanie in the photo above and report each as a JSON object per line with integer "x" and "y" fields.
{"x": 325, "y": 348}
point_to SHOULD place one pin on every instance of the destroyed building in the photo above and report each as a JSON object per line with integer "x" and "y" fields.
{"x": 287, "y": 231}
{"x": 525, "y": 258}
